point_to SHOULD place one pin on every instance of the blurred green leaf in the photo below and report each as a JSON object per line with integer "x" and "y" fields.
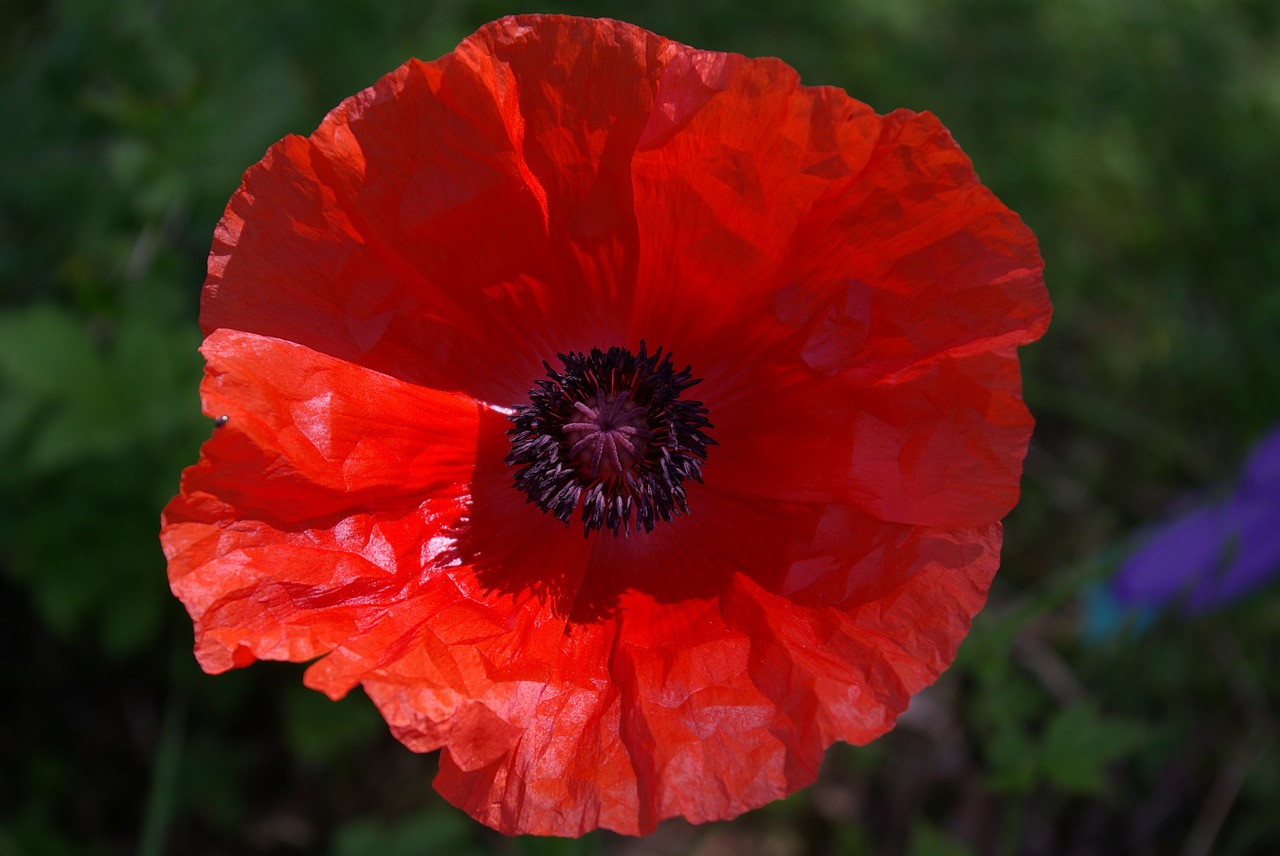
{"x": 445, "y": 830}
{"x": 68, "y": 398}
{"x": 51, "y": 371}
{"x": 928, "y": 841}
{"x": 1012, "y": 760}
{"x": 321, "y": 730}
{"x": 1005, "y": 710}
{"x": 531, "y": 845}
{"x": 1080, "y": 744}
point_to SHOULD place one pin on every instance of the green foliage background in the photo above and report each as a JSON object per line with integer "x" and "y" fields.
{"x": 1140, "y": 140}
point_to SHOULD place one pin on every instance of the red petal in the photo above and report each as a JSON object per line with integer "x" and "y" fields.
{"x": 736, "y": 156}
{"x": 459, "y": 221}
{"x": 782, "y": 222}
{"x": 312, "y": 508}
{"x": 914, "y": 260}
{"x": 841, "y": 620}
{"x": 861, "y": 242}
{"x": 464, "y": 662}
{"x": 939, "y": 444}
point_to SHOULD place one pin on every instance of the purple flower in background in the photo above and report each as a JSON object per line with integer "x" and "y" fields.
{"x": 1216, "y": 552}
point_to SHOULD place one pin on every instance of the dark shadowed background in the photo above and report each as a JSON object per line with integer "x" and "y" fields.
{"x": 1141, "y": 142}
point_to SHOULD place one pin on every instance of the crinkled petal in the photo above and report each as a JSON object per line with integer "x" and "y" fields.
{"x": 447, "y": 668}
{"x": 797, "y": 625}
{"x": 311, "y": 508}
{"x": 939, "y": 444}
{"x": 324, "y": 517}
{"x": 853, "y": 265}
{"x": 464, "y": 663}
{"x": 867, "y": 242}
{"x": 735, "y": 157}
{"x": 459, "y": 221}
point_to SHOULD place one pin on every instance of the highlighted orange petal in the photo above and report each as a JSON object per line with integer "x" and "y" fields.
{"x": 309, "y": 511}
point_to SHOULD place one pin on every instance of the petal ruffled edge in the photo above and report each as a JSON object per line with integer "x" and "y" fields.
{"x": 770, "y": 670}
{"x": 315, "y": 503}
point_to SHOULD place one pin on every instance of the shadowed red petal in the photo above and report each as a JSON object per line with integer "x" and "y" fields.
{"x": 870, "y": 237}
{"x": 939, "y": 444}
{"x": 459, "y": 221}
{"x": 735, "y": 157}
{"x": 915, "y": 259}
{"x": 842, "y": 619}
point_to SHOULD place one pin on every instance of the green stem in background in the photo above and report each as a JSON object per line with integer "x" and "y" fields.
{"x": 158, "y": 815}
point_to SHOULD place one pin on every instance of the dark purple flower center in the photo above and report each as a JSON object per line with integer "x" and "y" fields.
{"x": 610, "y": 434}
{"x": 608, "y": 437}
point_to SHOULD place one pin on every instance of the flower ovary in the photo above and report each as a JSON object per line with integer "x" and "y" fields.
{"x": 609, "y": 433}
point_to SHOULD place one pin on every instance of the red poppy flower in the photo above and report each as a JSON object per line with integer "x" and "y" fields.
{"x": 457, "y": 318}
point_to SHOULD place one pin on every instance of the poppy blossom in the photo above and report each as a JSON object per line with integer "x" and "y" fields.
{"x": 630, "y": 421}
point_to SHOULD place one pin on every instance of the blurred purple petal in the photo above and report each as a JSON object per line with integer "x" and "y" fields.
{"x": 1173, "y": 558}
{"x": 1251, "y": 551}
{"x": 1216, "y": 552}
{"x": 1263, "y": 466}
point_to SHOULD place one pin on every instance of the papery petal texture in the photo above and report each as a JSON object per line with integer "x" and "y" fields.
{"x": 382, "y": 293}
